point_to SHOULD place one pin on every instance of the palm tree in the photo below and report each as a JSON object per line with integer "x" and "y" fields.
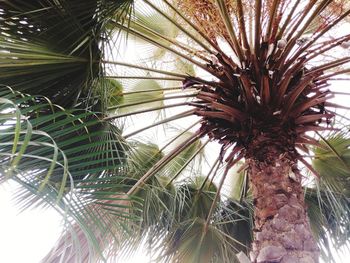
{"x": 251, "y": 77}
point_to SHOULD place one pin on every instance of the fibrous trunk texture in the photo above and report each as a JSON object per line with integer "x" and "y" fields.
{"x": 282, "y": 231}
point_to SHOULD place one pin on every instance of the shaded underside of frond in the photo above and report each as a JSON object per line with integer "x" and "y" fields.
{"x": 53, "y": 48}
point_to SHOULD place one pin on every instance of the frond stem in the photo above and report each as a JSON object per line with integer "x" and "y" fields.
{"x": 172, "y": 118}
{"x": 215, "y": 164}
{"x": 329, "y": 65}
{"x": 156, "y": 43}
{"x": 165, "y": 160}
{"x": 320, "y": 51}
{"x": 229, "y": 27}
{"x": 174, "y": 42}
{"x": 146, "y": 110}
{"x": 271, "y": 19}
{"x": 178, "y": 26}
{"x": 221, "y": 183}
{"x": 179, "y": 135}
{"x": 153, "y": 90}
{"x": 325, "y": 30}
{"x": 257, "y": 26}
{"x": 144, "y": 68}
{"x": 152, "y": 100}
{"x": 242, "y": 26}
{"x": 143, "y": 77}
{"x": 197, "y": 29}
{"x": 291, "y": 13}
{"x": 292, "y": 40}
{"x": 188, "y": 161}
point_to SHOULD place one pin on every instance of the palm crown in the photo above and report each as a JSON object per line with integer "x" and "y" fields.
{"x": 251, "y": 77}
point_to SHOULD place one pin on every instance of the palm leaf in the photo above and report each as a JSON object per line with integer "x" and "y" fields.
{"x": 63, "y": 159}
{"x": 53, "y": 48}
{"x": 333, "y": 163}
{"x": 329, "y": 202}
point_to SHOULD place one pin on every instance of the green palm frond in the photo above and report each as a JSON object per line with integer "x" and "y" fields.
{"x": 64, "y": 159}
{"x": 329, "y": 203}
{"x": 151, "y": 96}
{"x": 193, "y": 242}
{"x": 53, "y": 48}
{"x": 144, "y": 156}
{"x": 189, "y": 159}
{"x": 23, "y": 144}
{"x": 329, "y": 217}
{"x": 92, "y": 147}
{"x": 194, "y": 199}
{"x": 332, "y": 162}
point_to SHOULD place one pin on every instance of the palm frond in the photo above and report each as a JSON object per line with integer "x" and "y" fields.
{"x": 53, "y": 48}
{"x": 62, "y": 159}
{"x": 329, "y": 202}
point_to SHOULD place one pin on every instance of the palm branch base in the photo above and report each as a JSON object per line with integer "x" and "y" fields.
{"x": 282, "y": 231}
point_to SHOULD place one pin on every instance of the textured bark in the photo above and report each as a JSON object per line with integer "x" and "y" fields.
{"x": 282, "y": 231}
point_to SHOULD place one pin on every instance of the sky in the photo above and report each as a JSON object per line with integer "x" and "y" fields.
{"x": 26, "y": 237}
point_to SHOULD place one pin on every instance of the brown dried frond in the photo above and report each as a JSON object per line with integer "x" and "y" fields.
{"x": 205, "y": 14}
{"x": 338, "y": 7}
{"x": 334, "y": 10}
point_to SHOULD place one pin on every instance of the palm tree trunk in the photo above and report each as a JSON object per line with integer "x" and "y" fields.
{"x": 282, "y": 231}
